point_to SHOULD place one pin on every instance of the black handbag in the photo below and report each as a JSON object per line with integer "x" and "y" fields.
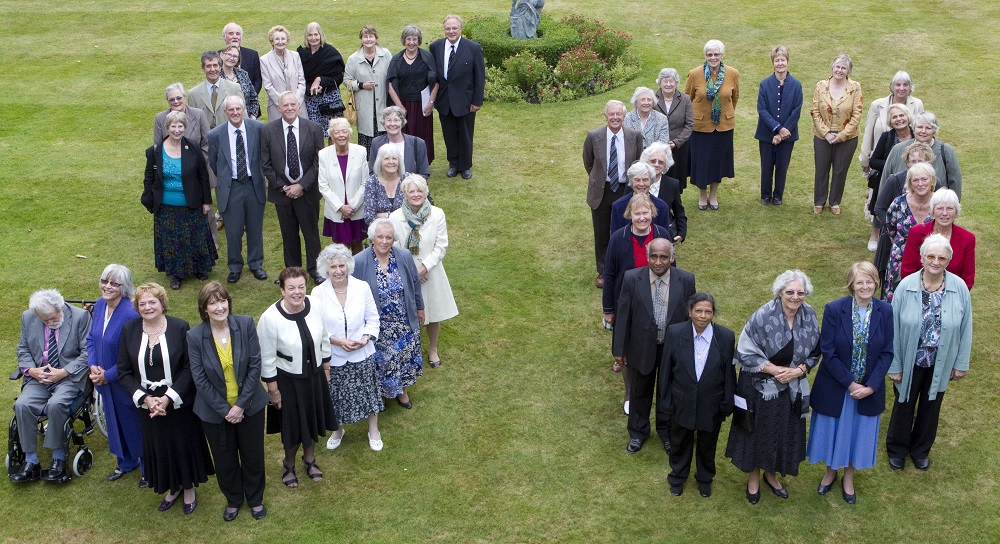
{"x": 330, "y": 103}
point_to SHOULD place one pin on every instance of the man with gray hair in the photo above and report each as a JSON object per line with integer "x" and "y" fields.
{"x": 52, "y": 357}
{"x": 249, "y": 59}
{"x": 608, "y": 151}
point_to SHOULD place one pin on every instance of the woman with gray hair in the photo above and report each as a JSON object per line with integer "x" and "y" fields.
{"x": 384, "y": 188}
{"x": 421, "y": 228}
{"x": 945, "y": 208}
{"x": 836, "y": 114}
{"x": 900, "y": 92}
{"x": 395, "y": 284}
{"x": 778, "y": 346}
{"x": 911, "y": 208}
{"x": 412, "y": 150}
{"x": 411, "y": 72}
{"x": 946, "y": 169}
{"x": 932, "y": 344}
{"x": 343, "y": 168}
{"x": 111, "y": 311}
{"x": 640, "y": 176}
{"x": 654, "y": 126}
{"x": 677, "y": 107}
{"x": 351, "y": 319}
{"x": 365, "y": 74}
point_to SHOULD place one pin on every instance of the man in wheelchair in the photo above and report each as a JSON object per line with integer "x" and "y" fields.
{"x": 52, "y": 356}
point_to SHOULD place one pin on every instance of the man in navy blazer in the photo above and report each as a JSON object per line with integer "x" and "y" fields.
{"x": 293, "y": 185}
{"x": 249, "y": 59}
{"x": 639, "y": 341}
{"x": 52, "y": 356}
{"x": 461, "y": 70}
{"x": 240, "y": 191}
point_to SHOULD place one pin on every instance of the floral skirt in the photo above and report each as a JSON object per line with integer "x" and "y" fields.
{"x": 354, "y": 389}
{"x": 397, "y": 354}
{"x": 182, "y": 243}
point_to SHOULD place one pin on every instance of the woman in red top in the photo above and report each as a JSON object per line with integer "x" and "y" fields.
{"x": 945, "y": 208}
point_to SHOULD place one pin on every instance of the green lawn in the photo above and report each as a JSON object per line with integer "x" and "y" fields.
{"x": 519, "y": 436}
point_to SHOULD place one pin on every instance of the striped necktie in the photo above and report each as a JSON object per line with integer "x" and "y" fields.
{"x": 53, "y": 350}
{"x": 613, "y": 164}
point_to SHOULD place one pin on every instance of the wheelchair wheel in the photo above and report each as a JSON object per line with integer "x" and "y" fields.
{"x": 99, "y": 414}
{"x": 83, "y": 461}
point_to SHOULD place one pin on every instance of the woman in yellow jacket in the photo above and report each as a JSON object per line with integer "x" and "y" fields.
{"x": 836, "y": 112}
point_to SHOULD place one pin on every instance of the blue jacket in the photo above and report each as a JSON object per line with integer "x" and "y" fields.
{"x": 769, "y": 119}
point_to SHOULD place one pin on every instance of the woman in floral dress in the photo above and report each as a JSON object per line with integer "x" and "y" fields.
{"x": 911, "y": 208}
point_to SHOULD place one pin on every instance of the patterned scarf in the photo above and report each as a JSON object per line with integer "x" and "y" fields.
{"x": 859, "y": 353}
{"x": 712, "y": 91}
{"x": 415, "y": 220}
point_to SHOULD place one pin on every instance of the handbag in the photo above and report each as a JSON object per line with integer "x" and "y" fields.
{"x": 330, "y": 103}
{"x": 743, "y": 418}
{"x": 350, "y": 110}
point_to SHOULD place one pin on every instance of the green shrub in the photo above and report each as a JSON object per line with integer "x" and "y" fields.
{"x": 493, "y": 34}
{"x": 497, "y": 90}
{"x": 527, "y": 72}
{"x": 579, "y": 67}
{"x": 609, "y": 44}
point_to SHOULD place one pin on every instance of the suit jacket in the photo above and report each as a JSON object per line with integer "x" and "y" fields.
{"x": 414, "y": 155}
{"x": 770, "y": 118}
{"x": 729, "y": 94}
{"x": 250, "y": 61}
{"x": 696, "y": 404}
{"x": 335, "y": 189}
{"x": 466, "y": 81}
{"x": 210, "y": 404}
{"x": 72, "y": 343}
{"x": 619, "y": 258}
{"x": 277, "y": 80}
{"x": 219, "y": 160}
{"x": 836, "y": 341}
{"x": 365, "y": 270}
{"x": 181, "y": 390}
{"x": 635, "y": 323}
{"x": 196, "y": 131}
{"x": 595, "y": 159}
{"x": 198, "y": 97}
{"x": 842, "y": 116}
{"x": 272, "y": 159}
{"x": 194, "y": 177}
{"x": 681, "y": 117}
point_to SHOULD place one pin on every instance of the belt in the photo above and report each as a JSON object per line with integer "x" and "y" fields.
{"x": 249, "y": 179}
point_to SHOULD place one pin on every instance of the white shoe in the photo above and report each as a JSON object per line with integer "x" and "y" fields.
{"x": 334, "y": 442}
{"x": 625, "y": 407}
{"x": 376, "y": 445}
{"x": 872, "y": 245}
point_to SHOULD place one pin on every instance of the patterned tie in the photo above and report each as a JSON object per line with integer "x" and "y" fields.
{"x": 241, "y": 158}
{"x": 53, "y": 350}
{"x": 613, "y": 164}
{"x": 451, "y": 60}
{"x": 293, "y": 155}
{"x": 215, "y": 96}
{"x": 659, "y": 310}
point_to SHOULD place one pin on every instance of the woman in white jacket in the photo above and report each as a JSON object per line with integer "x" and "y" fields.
{"x": 343, "y": 168}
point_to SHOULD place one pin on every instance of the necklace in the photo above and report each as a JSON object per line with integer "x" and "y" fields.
{"x": 222, "y": 336}
{"x": 154, "y": 339}
{"x": 923, "y": 286}
{"x": 408, "y": 57}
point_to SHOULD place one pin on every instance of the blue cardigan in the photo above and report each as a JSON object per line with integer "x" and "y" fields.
{"x": 769, "y": 119}
{"x": 836, "y": 340}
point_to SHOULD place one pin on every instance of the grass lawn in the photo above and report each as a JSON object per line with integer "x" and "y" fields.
{"x": 519, "y": 436}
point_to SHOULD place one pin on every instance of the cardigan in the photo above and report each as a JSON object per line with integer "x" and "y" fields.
{"x": 876, "y": 124}
{"x": 729, "y": 94}
{"x": 281, "y": 347}
{"x": 770, "y": 117}
{"x": 619, "y": 259}
{"x": 963, "y": 252}
{"x": 680, "y": 117}
{"x": 946, "y": 168}
{"x": 364, "y": 270}
{"x": 955, "y": 345}
{"x": 842, "y": 116}
{"x": 356, "y": 318}
{"x": 194, "y": 177}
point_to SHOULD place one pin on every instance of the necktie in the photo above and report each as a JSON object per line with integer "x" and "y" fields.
{"x": 293, "y": 155}
{"x": 659, "y": 310}
{"x": 451, "y": 60}
{"x": 241, "y": 158}
{"x": 53, "y": 350}
{"x": 215, "y": 96}
{"x": 613, "y": 164}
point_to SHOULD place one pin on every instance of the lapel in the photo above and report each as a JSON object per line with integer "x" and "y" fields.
{"x": 673, "y": 301}
{"x": 252, "y": 143}
{"x": 208, "y": 353}
{"x": 281, "y": 160}
{"x": 225, "y": 147}
{"x": 64, "y": 333}
{"x": 234, "y": 331}
{"x": 601, "y": 153}
{"x": 646, "y": 294}
{"x": 687, "y": 348}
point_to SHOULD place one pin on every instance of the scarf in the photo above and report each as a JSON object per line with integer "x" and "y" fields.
{"x": 415, "y": 220}
{"x": 859, "y": 351}
{"x": 712, "y": 91}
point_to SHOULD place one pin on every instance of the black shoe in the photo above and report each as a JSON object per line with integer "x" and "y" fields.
{"x": 116, "y": 475}
{"x": 779, "y": 491}
{"x": 259, "y": 274}
{"x": 406, "y": 404}
{"x": 233, "y": 277}
{"x": 466, "y": 174}
{"x": 228, "y": 515}
{"x": 922, "y": 464}
{"x": 201, "y": 276}
{"x": 259, "y": 514}
{"x": 897, "y": 463}
{"x": 776, "y": 202}
{"x": 634, "y": 445}
{"x": 850, "y": 498}
{"x": 143, "y": 483}
{"x": 765, "y": 201}
{"x": 666, "y": 447}
{"x": 702, "y": 207}
{"x": 168, "y": 504}
{"x": 317, "y": 279}
{"x": 277, "y": 281}
{"x": 189, "y": 508}
{"x": 29, "y": 472}
{"x": 823, "y": 489}
{"x": 452, "y": 172}
{"x": 753, "y": 498}
{"x": 676, "y": 490}
{"x": 705, "y": 489}
{"x": 56, "y": 472}
{"x": 713, "y": 207}
{"x": 175, "y": 284}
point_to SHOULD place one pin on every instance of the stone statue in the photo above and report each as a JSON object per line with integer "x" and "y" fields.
{"x": 524, "y": 17}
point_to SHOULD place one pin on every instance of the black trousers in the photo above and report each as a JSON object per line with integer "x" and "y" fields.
{"x": 682, "y": 449}
{"x": 294, "y": 217}
{"x": 601, "y": 218}
{"x": 774, "y": 161}
{"x": 913, "y": 424}
{"x": 458, "y": 134}
{"x": 238, "y": 452}
{"x": 641, "y": 400}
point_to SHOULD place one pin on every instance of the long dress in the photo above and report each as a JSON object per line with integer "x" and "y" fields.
{"x": 397, "y": 350}
{"x": 898, "y": 221}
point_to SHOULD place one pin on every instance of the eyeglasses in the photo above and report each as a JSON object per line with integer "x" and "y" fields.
{"x": 175, "y": 99}
{"x": 114, "y": 284}
{"x": 799, "y": 294}
{"x": 935, "y": 259}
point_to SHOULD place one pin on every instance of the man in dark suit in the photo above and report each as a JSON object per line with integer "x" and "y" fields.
{"x": 606, "y": 165}
{"x": 652, "y": 298}
{"x": 697, "y": 382}
{"x": 461, "y": 70}
{"x": 249, "y": 59}
{"x": 52, "y": 356}
{"x": 289, "y": 157}
{"x": 234, "y": 156}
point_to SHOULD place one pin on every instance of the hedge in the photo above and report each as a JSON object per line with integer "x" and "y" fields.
{"x": 493, "y": 34}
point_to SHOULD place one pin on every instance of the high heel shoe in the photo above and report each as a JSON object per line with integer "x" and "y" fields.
{"x": 779, "y": 491}
{"x": 824, "y": 489}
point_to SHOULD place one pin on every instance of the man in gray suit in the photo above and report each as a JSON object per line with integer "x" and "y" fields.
{"x": 234, "y": 156}
{"x": 289, "y": 157}
{"x": 52, "y": 356}
{"x": 209, "y": 95}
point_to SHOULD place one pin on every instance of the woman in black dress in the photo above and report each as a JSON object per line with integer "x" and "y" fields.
{"x": 410, "y": 72}
{"x": 153, "y": 368}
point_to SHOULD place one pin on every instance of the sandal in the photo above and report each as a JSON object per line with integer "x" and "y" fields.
{"x": 311, "y": 465}
{"x": 291, "y": 482}
{"x": 435, "y": 364}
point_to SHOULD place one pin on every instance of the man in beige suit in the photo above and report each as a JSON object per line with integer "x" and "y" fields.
{"x": 209, "y": 95}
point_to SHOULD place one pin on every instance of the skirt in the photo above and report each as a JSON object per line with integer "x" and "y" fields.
{"x": 397, "y": 353}
{"x": 306, "y": 410}
{"x": 420, "y": 126}
{"x": 682, "y": 164}
{"x": 355, "y": 390}
{"x": 778, "y": 441}
{"x": 312, "y": 104}
{"x": 182, "y": 243}
{"x": 346, "y": 232}
{"x": 850, "y": 439}
{"x": 711, "y": 157}
{"x": 175, "y": 453}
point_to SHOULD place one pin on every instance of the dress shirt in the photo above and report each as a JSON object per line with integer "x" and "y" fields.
{"x": 701, "y": 344}
{"x": 620, "y": 144}
{"x": 447, "y": 53}
{"x": 232, "y": 148}
{"x": 666, "y": 296}
{"x": 298, "y": 142}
